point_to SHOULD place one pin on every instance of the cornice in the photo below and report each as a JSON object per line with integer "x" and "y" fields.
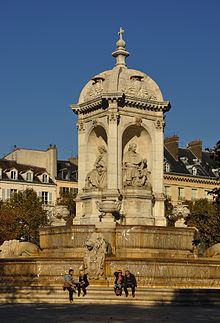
{"x": 184, "y": 178}
{"x": 102, "y": 102}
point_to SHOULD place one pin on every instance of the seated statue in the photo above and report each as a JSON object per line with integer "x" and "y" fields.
{"x": 96, "y": 178}
{"x": 135, "y": 170}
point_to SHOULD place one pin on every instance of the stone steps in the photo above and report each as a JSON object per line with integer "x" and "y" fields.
{"x": 105, "y": 295}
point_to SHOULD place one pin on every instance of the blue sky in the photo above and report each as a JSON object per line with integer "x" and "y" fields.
{"x": 49, "y": 49}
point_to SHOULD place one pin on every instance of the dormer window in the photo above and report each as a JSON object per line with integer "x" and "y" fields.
{"x": 65, "y": 174}
{"x": 45, "y": 178}
{"x": 0, "y": 173}
{"x": 194, "y": 171}
{"x": 167, "y": 167}
{"x": 29, "y": 176}
{"x": 13, "y": 174}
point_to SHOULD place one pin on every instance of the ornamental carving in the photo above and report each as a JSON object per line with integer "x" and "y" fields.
{"x": 137, "y": 87}
{"x": 94, "y": 122}
{"x": 97, "y": 86}
{"x": 80, "y": 126}
{"x": 138, "y": 121}
{"x": 159, "y": 124}
{"x": 113, "y": 117}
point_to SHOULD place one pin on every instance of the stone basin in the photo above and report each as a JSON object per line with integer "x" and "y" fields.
{"x": 108, "y": 206}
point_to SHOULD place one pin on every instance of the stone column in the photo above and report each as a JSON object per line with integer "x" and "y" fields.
{"x": 157, "y": 164}
{"x": 112, "y": 172}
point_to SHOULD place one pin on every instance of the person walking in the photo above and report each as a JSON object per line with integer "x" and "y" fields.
{"x": 83, "y": 283}
{"x": 129, "y": 282}
{"x": 69, "y": 285}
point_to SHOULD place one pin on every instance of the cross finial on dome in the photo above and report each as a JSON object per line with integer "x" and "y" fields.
{"x": 120, "y": 33}
{"x": 120, "y": 52}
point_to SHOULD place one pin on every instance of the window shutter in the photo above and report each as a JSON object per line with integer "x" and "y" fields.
{"x": 50, "y": 198}
{"x": 3, "y": 194}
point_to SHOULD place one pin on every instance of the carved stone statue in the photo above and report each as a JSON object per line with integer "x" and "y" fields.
{"x": 96, "y": 249}
{"x": 213, "y": 251}
{"x": 135, "y": 172}
{"x": 57, "y": 215}
{"x": 179, "y": 214}
{"x": 16, "y": 248}
{"x": 96, "y": 178}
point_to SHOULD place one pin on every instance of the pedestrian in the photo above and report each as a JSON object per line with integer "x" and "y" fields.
{"x": 83, "y": 283}
{"x": 129, "y": 282}
{"x": 119, "y": 281}
{"x": 69, "y": 284}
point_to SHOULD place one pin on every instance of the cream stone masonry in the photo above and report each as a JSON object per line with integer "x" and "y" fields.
{"x": 119, "y": 109}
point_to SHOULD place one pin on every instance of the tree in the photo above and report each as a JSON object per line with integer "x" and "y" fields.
{"x": 22, "y": 216}
{"x": 204, "y": 216}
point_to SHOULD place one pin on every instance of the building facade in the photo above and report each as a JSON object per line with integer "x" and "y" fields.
{"x": 39, "y": 170}
{"x": 189, "y": 173}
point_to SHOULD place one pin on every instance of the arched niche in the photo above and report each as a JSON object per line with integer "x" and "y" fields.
{"x": 97, "y": 137}
{"x": 139, "y": 136}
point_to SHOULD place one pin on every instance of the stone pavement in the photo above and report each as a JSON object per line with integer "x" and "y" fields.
{"x": 86, "y": 313}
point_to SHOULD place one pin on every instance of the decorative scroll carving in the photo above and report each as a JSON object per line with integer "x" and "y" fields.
{"x": 80, "y": 126}
{"x": 96, "y": 249}
{"x": 135, "y": 172}
{"x": 113, "y": 117}
{"x": 96, "y": 178}
{"x": 137, "y": 87}
{"x": 138, "y": 121}
{"x": 94, "y": 122}
{"x": 97, "y": 86}
{"x": 159, "y": 124}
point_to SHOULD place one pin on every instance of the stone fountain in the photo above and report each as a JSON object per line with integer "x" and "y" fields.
{"x": 120, "y": 220}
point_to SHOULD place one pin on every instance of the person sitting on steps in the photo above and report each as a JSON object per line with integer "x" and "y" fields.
{"x": 119, "y": 280}
{"x": 83, "y": 283}
{"x": 69, "y": 285}
{"x": 129, "y": 282}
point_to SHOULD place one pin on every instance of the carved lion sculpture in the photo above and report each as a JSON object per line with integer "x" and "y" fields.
{"x": 96, "y": 249}
{"x": 213, "y": 251}
{"x": 15, "y": 248}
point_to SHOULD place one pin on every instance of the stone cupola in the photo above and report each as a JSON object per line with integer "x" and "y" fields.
{"x": 120, "y": 114}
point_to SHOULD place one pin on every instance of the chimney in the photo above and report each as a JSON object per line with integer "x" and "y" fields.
{"x": 172, "y": 145}
{"x": 195, "y": 147}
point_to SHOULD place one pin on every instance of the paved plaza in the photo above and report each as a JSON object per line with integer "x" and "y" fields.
{"x": 67, "y": 313}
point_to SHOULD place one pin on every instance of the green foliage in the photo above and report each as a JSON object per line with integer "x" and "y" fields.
{"x": 22, "y": 216}
{"x": 205, "y": 217}
{"x": 68, "y": 199}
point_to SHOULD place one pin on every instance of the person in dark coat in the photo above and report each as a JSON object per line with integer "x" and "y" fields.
{"x": 129, "y": 282}
{"x": 83, "y": 283}
{"x": 119, "y": 281}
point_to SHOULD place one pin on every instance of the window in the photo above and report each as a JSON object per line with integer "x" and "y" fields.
{"x": 65, "y": 174}
{"x": 13, "y": 174}
{"x": 45, "y": 196}
{"x": 29, "y": 177}
{"x": 194, "y": 193}
{"x": 45, "y": 178}
{"x": 181, "y": 193}
{"x": 0, "y": 173}
{"x": 12, "y": 191}
{"x": 167, "y": 191}
{"x": 194, "y": 171}
{"x": 167, "y": 167}
{"x": 70, "y": 190}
